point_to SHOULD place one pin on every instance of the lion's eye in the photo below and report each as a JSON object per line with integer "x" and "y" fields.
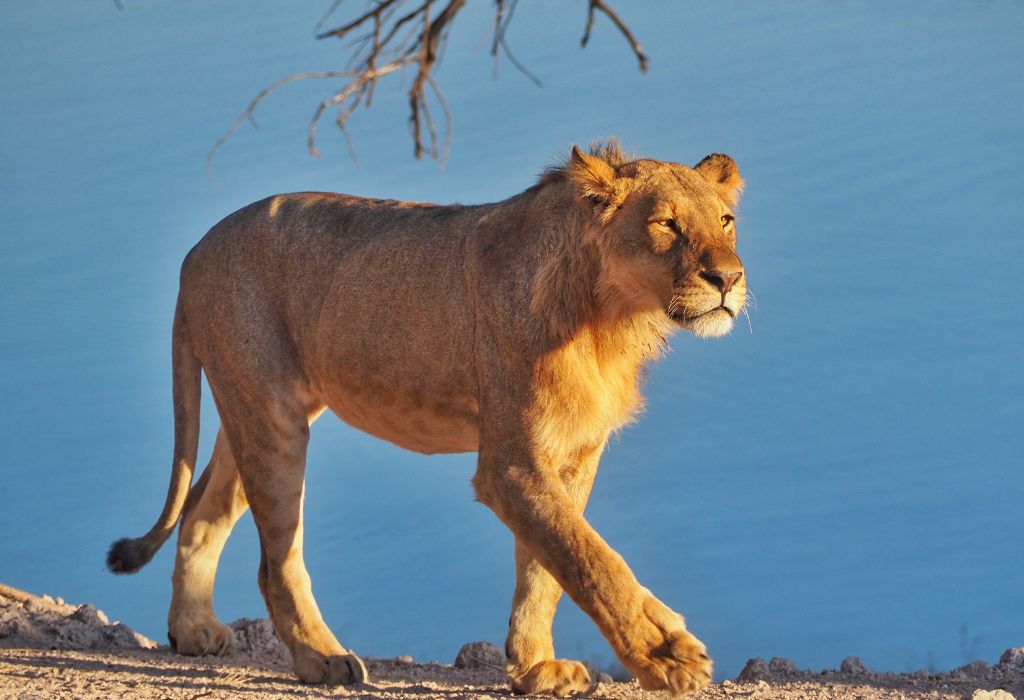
{"x": 727, "y": 219}
{"x": 670, "y": 224}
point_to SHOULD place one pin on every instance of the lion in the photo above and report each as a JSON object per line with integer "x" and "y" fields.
{"x": 517, "y": 330}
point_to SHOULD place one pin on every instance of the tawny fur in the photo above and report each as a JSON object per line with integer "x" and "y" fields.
{"x": 517, "y": 329}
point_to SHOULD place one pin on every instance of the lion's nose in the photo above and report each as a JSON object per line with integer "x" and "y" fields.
{"x": 721, "y": 279}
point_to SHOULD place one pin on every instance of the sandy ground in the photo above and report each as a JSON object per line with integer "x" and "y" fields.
{"x": 51, "y": 649}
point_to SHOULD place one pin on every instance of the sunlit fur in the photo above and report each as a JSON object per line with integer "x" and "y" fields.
{"x": 518, "y": 329}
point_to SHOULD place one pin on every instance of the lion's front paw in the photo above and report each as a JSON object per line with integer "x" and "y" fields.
{"x": 681, "y": 665}
{"x": 339, "y": 669}
{"x": 557, "y": 677}
{"x": 675, "y": 660}
{"x": 201, "y": 636}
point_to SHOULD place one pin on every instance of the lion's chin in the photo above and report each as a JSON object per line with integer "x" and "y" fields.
{"x": 711, "y": 324}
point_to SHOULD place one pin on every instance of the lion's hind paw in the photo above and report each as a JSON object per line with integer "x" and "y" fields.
{"x": 207, "y": 636}
{"x": 558, "y": 677}
{"x": 337, "y": 669}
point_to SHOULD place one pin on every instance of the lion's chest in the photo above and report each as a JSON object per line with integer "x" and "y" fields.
{"x": 579, "y": 399}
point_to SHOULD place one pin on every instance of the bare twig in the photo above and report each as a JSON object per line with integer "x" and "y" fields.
{"x": 359, "y": 81}
{"x": 326, "y": 16}
{"x": 263, "y": 94}
{"x": 499, "y": 14}
{"x": 447, "y": 119}
{"x": 429, "y": 47}
{"x": 500, "y": 28}
{"x": 344, "y": 29}
{"x": 402, "y": 20}
{"x": 610, "y": 13}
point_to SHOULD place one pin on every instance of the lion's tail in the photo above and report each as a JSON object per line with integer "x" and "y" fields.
{"x": 128, "y": 555}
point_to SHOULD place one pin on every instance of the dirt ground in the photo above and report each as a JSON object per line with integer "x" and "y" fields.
{"x": 51, "y": 649}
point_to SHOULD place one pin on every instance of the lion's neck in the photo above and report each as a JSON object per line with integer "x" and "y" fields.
{"x": 590, "y": 384}
{"x": 599, "y": 338}
{"x": 580, "y": 297}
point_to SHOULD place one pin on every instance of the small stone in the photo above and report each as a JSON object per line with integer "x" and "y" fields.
{"x": 852, "y": 666}
{"x": 59, "y": 601}
{"x": 120, "y": 636}
{"x": 480, "y": 655}
{"x": 604, "y": 678}
{"x": 144, "y": 641}
{"x": 755, "y": 669}
{"x": 257, "y": 637}
{"x": 991, "y": 695}
{"x": 89, "y": 615}
{"x": 727, "y": 684}
{"x": 47, "y": 598}
{"x": 404, "y": 659}
{"x": 1012, "y": 657}
{"x": 781, "y": 666}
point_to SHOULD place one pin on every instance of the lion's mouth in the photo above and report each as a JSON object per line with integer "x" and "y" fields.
{"x": 720, "y": 307}
{"x": 681, "y": 316}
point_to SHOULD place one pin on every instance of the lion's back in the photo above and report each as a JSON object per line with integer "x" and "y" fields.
{"x": 368, "y": 296}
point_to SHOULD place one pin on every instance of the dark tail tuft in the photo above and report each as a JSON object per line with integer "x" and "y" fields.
{"x": 126, "y": 556}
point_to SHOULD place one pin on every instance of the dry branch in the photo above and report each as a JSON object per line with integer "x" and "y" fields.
{"x": 383, "y": 48}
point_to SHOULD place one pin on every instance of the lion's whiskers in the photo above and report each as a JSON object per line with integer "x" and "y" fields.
{"x": 674, "y": 306}
{"x": 746, "y": 313}
{"x": 751, "y": 303}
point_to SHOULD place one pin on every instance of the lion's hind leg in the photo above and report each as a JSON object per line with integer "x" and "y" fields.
{"x": 532, "y": 666}
{"x": 268, "y": 427}
{"x": 215, "y": 504}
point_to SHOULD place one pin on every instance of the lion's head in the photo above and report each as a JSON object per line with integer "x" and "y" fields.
{"x": 666, "y": 235}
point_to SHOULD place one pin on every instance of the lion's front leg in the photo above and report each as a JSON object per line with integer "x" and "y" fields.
{"x": 649, "y": 638}
{"x": 532, "y": 666}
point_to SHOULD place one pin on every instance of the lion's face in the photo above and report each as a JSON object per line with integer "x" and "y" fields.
{"x": 667, "y": 235}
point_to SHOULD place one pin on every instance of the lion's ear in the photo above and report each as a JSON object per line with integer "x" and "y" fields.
{"x": 594, "y": 180}
{"x": 721, "y": 171}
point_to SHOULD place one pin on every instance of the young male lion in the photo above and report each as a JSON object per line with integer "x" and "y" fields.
{"x": 517, "y": 330}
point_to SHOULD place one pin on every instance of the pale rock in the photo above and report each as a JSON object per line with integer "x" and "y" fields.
{"x": 257, "y": 637}
{"x": 996, "y": 694}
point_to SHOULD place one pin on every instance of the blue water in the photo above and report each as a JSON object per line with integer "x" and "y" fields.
{"x": 844, "y": 479}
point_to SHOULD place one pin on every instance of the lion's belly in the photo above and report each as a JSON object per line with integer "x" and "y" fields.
{"x": 414, "y": 423}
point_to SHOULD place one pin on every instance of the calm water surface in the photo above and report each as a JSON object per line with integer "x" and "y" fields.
{"x": 843, "y": 478}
